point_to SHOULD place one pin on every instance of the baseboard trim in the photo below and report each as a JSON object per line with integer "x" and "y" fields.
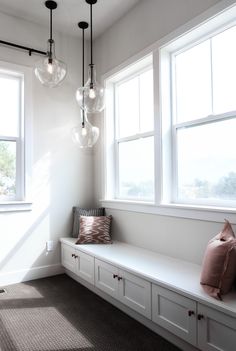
{"x": 183, "y": 345}
{"x": 30, "y": 274}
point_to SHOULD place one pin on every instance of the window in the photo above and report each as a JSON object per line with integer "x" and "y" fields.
{"x": 192, "y": 171}
{"x": 14, "y": 82}
{"x": 133, "y": 134}
{"x": 203, "y": 120}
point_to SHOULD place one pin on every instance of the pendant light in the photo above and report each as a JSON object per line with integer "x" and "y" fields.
{"x": 50, "y": 71}
{"x": 85, "y": 135}
{"x": 91, "y": 97}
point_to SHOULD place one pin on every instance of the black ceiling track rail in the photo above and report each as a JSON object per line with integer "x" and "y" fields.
{"x": 21, "y": 47}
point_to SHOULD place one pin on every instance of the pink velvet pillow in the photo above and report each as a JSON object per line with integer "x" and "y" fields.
{"x": 219, "y": 263}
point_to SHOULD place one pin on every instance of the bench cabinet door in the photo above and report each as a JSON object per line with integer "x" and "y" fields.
{"x": 216, "y": 330}
{"x": 106, "y": 278}
{"x": 68, "y": 257}
{"x": 175, "y": 313}
{"x": 135, "y": 292}
{"x": 84, "y": 266}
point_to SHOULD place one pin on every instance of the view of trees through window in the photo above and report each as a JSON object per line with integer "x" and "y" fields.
{"x": 7, "y": 170}
{"x": 224, "y": 189}
{"x": 10, "y": 131}
{"x": 142, "y": 190}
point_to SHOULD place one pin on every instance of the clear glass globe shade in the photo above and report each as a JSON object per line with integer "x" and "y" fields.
{"x": 85, "y": 135}
{"x": 91, "y": 97}
{"x": 50, "y": 71}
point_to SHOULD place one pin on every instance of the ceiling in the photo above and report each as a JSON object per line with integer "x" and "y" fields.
{"x": 69, "y": 13}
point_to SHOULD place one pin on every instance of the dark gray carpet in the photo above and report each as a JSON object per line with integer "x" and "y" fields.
{"x": 57, "y": 313}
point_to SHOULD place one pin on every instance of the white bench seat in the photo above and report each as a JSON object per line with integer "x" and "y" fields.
{"x": 177, "y": 275}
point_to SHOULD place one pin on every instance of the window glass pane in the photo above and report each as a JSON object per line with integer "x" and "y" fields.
{"x": 193, "y": 83}
{"x": 224, "y": 71}
{"x": 207, "y": 161}
{"x": 10, "y": 105}
{"x": 7, "y": 170}
{"x": 146, "y": 101}
{"x": 136, "y": 169}
{"x": 128, "y": 107}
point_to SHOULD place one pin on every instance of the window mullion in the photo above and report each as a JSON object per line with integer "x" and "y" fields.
{"x": 116, "y": 112}
{"x": 116, "y": 143}
{"x": 7, "y": 138}
{"x": 117, "y": 172}
{"x": 19, "y": 167}
{"x": 174, "y": 163}
{"x": 135, "y": 137}
{"x": 158, "y": 169}
{"x": 211, "y": 83}
{"x": 206, "y": 120}
{"x": 173, "y": 90}
{"x": 139, "y": 115}
{"x": 174, "y": 118}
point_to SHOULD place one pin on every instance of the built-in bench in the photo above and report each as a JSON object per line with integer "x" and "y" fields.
{"x": 162, "y": 292}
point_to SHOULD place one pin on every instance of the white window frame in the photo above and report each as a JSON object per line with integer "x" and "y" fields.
{"x": 212, "y": 118}
{"x": 111, "y": 185}
{"x": 23, "y": 141}
{"x": 203, "y": 121}
{"x": 197, "y": 29}
{"x": 117, "y": 140}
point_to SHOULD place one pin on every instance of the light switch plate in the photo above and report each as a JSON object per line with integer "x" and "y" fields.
{"x": 49, "y": 245}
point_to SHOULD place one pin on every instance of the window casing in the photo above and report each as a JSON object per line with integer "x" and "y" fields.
{"x": 15, "y": 130}
{"x": 134, "y": 134}
{"x": 203, "y": 121}
{"x": 175, "y": 127}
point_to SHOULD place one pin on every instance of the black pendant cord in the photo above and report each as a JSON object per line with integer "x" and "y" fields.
{"x": 91, "y": 3}
{"x": 83, "y": 75}
{"x": 83, "y": 26}
{"x": 50, "y": 24}
{"x": 83, "y": 58}
{"x": 50, "y": 40}
{"x": 91, "y": 44}
{"x": 51, "y": 5}
{"x": 21, "y": 47}
{"x": 91, "y": 34}
{"x": 50, "y": 52}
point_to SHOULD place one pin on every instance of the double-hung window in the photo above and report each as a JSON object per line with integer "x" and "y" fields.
{"x": 203, "y": 120}
{"x": 191, "y": 165}
{"x": 134, "y": 134}
{"x": 14, "y": 82}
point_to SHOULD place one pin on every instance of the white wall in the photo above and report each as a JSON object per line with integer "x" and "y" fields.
{"x": 62, "y": 174}
{"x": 148, "y": 22}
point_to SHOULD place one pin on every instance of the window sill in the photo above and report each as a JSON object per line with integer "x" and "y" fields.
{"x": 204, "y": 213}
{"x": 15, "y": 206}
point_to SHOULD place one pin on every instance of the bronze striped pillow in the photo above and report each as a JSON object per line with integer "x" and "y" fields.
{"x": 78, "y": 211}
{"x": 95, "y": 230}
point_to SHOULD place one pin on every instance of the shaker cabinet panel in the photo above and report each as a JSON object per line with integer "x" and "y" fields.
{"x": 131, "y": 290}
{"x": 216, "y": 330}
{"x": 135, "y": 293}
{"x": 78, "y": 262}
{"x": 106, "y": 278}
{"x": 175, "y": 313}
{"x": 67, "y": 257}
{"x": 85, "y": 266}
